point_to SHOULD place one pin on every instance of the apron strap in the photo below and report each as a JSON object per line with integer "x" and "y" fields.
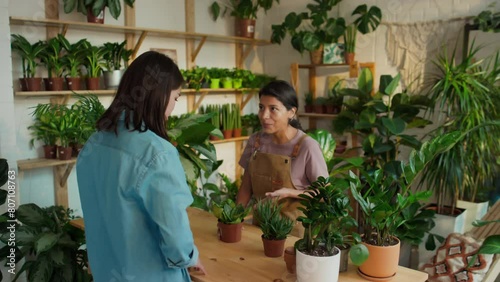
{"x": 296, "y": 148}
{"x": 256, "y": 145}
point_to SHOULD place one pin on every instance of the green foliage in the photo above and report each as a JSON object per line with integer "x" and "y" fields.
{"x": 326, "y": 216}
{"x": 45, "y": 126}
{"x": 88, "y": 109}
{"x": 243, "y": 9}
{"x": 327, "y": 144}
{"x": 75, "y": 54}
{"x": 30, "y": 53}
{"x": 259, "y": 81}
{"x": 468, "y": 95}
{"x": 57, "y": 246}
{"x": 51, "y": 56}
{"x": 115, "y": 54}
{"x": 251, "y": 120}
{"x": 228, "y": 120}
{"x": 273, "y": 224}
{"x": 114, "y": 6}
{"x": 308, "y": 99}
{"x": 236, "y": 113}
{"x": 229, "y": 212}
{"x": 488, "y": 21}
{"x": 94, "y": 60}
{"x": 309, "y": 30}
{"x": 4, "y": 170}
{"x": 490, "y": 245}
{"x": 195, "y": 77}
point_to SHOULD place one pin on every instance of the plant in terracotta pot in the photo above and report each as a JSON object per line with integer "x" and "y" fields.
{"x": 72, "y": 61}
{"x": 334, "y": 99}
{"x": 51, "y": 57}
{"x": 275, "y": 227}
{"x": 308, "y": 102}
{"x": 115, "y": 56}
{"x": 236, "y": 113}
{"x": 326, "y": 209}
{"x": 244, "y": 11}
{"x": 30, "y": 57}
{"x": 94, "y": 63}
{"x": 230, "y": 216}
{"x": 227, "y": 121}
{"x": 44, "y": 128}
{"x": 94, "y": 9}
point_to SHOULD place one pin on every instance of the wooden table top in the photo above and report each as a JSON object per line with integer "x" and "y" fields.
{"x": 245, "y": 261}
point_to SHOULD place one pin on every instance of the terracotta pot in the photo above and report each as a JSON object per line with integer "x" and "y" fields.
{"x": 229, "y": 233}
{"x": 308, "y": 108}
{"x": 54, "y": 83}
{"x": 31, "y": 84}
{"x": 319, "y": 109}
{"x": 273, "y": 248}
{"x": 76, "y": 149}
{"x": 64, "y": 152}
{"x": 244, "y": 28}
{"x": 317, "y": 56}
{"x": 74, "y": 83}
{"x": 50, "y": 151}
{"x": 349, "y": 58}
{"x": 227, "y": 133}
{"x": 91, "y": 18}
{"x": 237, "y": 132}
{"x": 382, "y": 263}
{"x": 92, "y": 83}
{"x": 214, "y": 138}
{"x": 290, "y": 259}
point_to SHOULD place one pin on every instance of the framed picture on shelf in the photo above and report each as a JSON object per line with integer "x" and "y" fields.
{"x": 171, "y": 53}
{"x": 333, "y": 53}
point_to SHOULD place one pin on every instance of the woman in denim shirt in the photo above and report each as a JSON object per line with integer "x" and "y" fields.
{"x": 132, "y": 185}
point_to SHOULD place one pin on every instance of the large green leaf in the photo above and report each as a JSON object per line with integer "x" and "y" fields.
{"x": 32, "y": 215}
{"x": 40, "y": 271}
{"x": 395, "y": 125}
{"x": 45, "y": 242}
{"x": 491, "y": 245}
{"x": 326, "y": 142}
{"x": 365, "y": 81}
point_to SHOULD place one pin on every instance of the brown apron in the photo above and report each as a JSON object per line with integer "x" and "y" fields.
{"x": 270, "y": 172}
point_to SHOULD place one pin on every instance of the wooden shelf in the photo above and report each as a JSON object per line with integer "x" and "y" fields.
{"x": 310, "y": 66}
{"x": 314, "y": 115}
{"x": 64, "y": 25}
{"x": 236, "y": 139}
{"x": 41, "y": 163}
{"x": 219, "y": 90}
{"x": 62, "y": 93}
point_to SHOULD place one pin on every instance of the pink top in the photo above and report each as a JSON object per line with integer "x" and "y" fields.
{"x": 306, "y": 167}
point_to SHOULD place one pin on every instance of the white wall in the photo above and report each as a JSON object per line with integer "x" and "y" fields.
{"x": 37, "y": 185}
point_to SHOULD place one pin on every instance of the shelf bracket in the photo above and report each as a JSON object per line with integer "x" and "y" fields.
{"x": 139, "y": 43}
{"x": 198, "y": 48}
{"x": 61, "y": 174}
{"x": 247, "y": 52}
{"x": 246, "y": 100}
{"x": 198, "y": 103}
{"x": 64, "y": 29}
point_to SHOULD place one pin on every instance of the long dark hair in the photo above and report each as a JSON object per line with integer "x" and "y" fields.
{"x": 285, "y": 93}
{"x": 143, "y": 95}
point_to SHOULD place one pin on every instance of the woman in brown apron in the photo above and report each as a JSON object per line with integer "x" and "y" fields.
{"x": 280, "y": 160}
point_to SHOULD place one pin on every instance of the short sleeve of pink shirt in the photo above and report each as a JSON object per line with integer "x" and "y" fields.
{"x": 306, "y": 167}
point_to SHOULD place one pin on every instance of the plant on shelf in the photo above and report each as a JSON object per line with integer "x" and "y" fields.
{"x": 44, "y": 128}
{"x": 115, "y": 55}
{"x": 335, "y": 99}
{"x": 214, "y": 75}
{"x": 230, "y": 216}
{"x": 72, "y": 61}
{"x": 190, "y": 132}
{"x": 245, "y": 12}
{"x": 88, "y": 109}
{"x": 96, "y": 7}
{"x": 308, "y": 102}
{"x": 319, "y": 105}
{"x": 242, "y": 78}
{"x": 195, "y": 77}
{"x": 30, "y": 56}
{"x": 227, "y": 78}
{"x": 250, "y": 123}
{"x": 236, "y": 114}
{"x": 488, "y": 20}
{"x": 51, "y": 57}
{"x": 227, "y": 121}
{"x": 326, "y": 219}
{"x": 57, "y": 249}
{"x": 94, "y": 64}
{"x": 275, "y": 226}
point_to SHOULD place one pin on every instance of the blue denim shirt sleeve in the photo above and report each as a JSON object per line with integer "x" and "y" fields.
{"x": 164, "y": 192}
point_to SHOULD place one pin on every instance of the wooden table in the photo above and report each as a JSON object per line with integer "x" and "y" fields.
{"x": 245, "y": 261}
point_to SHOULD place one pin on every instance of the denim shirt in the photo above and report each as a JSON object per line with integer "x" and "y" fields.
{"x": 134, "y": 197}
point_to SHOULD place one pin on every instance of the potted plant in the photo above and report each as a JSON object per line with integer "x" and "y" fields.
{"x": 250, "y": 124}
{"x": 87, "y": 109}
{"x": 326, "y": 213}
{"x": 94, "y": 9}
{"x": 227, "y": 121}
{"x": 52, "y": 58}
{"x": 195, "y": 77}
{"x": 241, "y": 77}
{"x": 308, "y": 102}
{"x": 334, "y": 100}
{"x": 44, "y": 128}
{"x": 30, "y": 55}
{"x": 245, "y": 13}
{"x": 94, "y": 64}
{"x": 227, "y": 79}
{"x": 236, "y": 113}
{"x": 275, "y": 227}
{"x": 319, "y": 105}
{"x": 230, "y": 216}
{"x": 115, "y": 55}
{"x": 72, "y": 61}
{"x": 51, "y": 249}
{"x": 214, "y": 75}
{"x": 368, "y": 21}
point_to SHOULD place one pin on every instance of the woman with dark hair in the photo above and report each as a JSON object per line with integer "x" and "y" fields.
{"x": 281, "y": 160}
{"x": 132, "y": 185}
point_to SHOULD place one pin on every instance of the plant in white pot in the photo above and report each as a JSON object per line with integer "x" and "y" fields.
{"x": 275, "y": 226}
{"x": 115, "y": 56}
{"x": 326, "y": 210}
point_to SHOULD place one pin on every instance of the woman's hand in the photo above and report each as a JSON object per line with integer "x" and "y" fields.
{"x": 199, "y": 268}
{"x": 284, "y": 193}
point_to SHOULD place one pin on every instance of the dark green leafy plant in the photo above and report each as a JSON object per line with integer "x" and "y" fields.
{"x": 93, "y": 60}
{"x": 488, "y": 21}
{"x": 273, "y": 224}
{"x": 115, "y": 8}
{"x": 228, "y": 212}
{"x": 490, "y": 245}
{"x": 30, "y": 53}
{"x": 44, "y": 127}
{"x": 74, "y": 56}
{"x": 88, "y": 109}
{"x": 115, "y": 55}
{"x": 56, "y": 246}
{"x": 243, "y": 9}
{"x": 51, "y": 56}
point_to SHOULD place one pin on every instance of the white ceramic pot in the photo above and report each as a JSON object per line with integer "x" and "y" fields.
{"x": 112, "y": 78}
{"x": 474, "y": 211}
{"x": 318, "y": 269}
